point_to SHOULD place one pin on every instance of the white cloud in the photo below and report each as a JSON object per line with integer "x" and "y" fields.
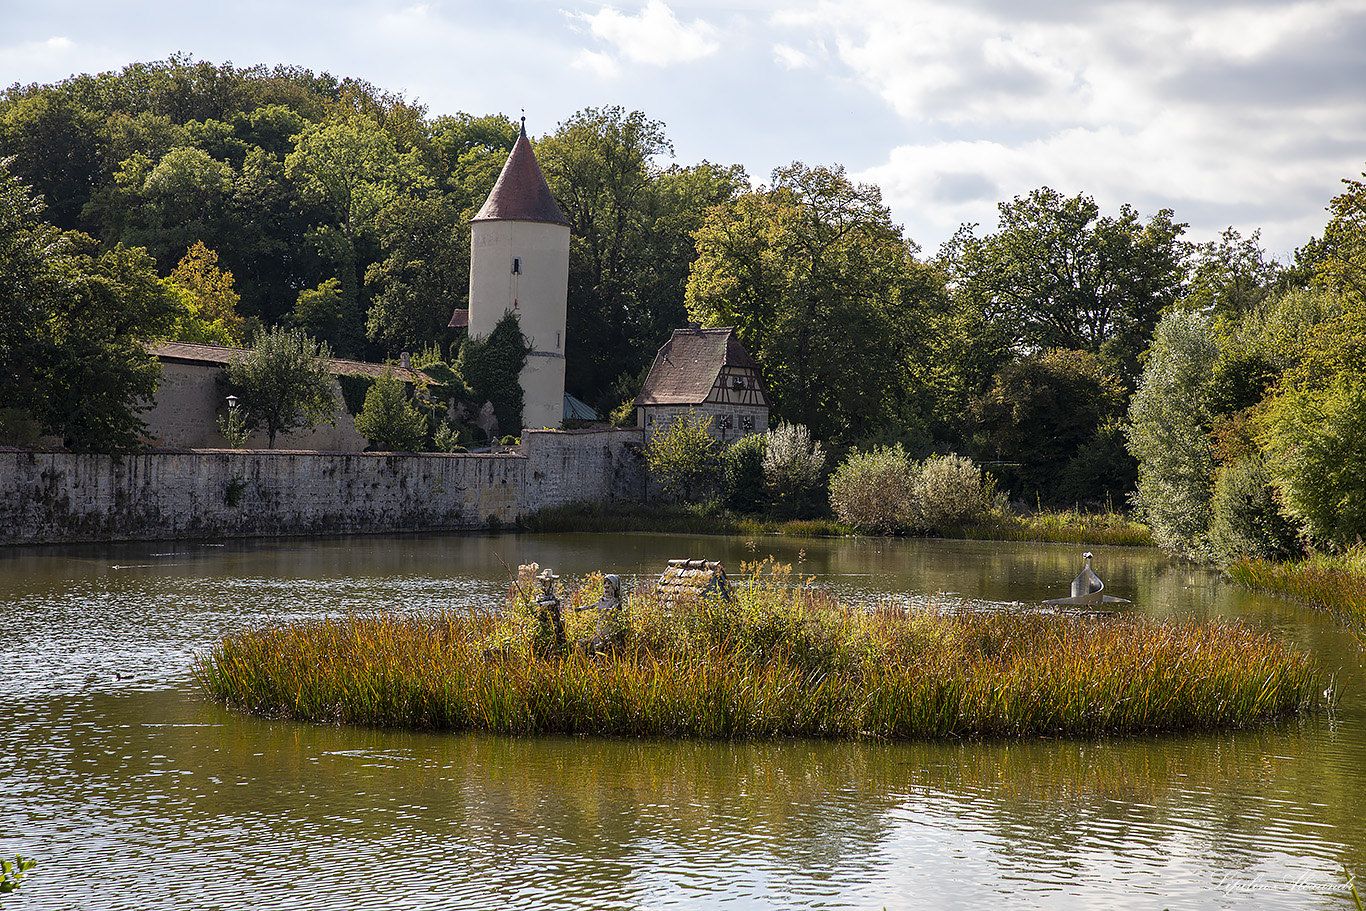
{"x": 54, "y": 55}
{"x": 1228, "y": 114}
{"x": 654, "y": 36}
{"x": 790, "y": 57}
{"x": 604, "y": 66}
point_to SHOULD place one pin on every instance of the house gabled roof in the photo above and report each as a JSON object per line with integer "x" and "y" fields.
{"x": 222, "y": 355}
{"x": 521, "y": 193}
{"x": 685, "y": 369}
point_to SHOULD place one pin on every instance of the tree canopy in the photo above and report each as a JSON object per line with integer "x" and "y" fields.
{"x": 1058, "y": 274}
{"x": 72, "y": 325}
{"x": 827, "y": 295}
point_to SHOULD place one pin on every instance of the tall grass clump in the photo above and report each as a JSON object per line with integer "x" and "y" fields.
{"x": 1336, "y": 582}
{"x": 781, "y": 658}
{"x": 1062, "y": 527}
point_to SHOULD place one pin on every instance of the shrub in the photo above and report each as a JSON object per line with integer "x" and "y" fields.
{"x": 451, "y": 437}
{"x": 793, "y": 467}
{"x": 948, "y": 490}
{"x": 872, "y": 490}
{"x": 389, "y": 420}
{"x": 1246, "y": 516}
{"x": 742, "y": 474}
{"x": 492, "y": 368}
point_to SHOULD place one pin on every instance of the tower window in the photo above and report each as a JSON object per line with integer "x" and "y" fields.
{"x": 516, "y": 265}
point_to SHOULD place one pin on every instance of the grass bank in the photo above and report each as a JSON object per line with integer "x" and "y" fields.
{"x": 1064, "y": 527}
{"x": 780, "y": 659}
{"x": 1336, "y": 582}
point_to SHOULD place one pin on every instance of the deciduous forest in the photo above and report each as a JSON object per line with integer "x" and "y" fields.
{"x": 1080, "y": 356}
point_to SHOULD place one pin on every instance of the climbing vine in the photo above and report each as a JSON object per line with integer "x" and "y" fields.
{"x": 491, "y": 367}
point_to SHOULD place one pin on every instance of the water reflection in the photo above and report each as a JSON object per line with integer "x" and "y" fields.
{"x": 135, "y": 794}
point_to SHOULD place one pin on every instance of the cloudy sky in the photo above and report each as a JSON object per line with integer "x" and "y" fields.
{"x": 1230, "y": 113}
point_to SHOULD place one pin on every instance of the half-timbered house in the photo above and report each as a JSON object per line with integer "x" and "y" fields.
{"x": 709, "y": 372}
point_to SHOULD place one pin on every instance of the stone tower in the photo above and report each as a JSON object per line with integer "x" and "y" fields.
{"x": 519, "y": 263}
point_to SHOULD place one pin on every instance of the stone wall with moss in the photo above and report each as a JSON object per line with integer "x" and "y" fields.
{"x": 51, "y": 497}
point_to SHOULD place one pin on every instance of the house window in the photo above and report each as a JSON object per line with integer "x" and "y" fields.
{"x": 725, "y": 422}
{"x": 748, "y": 423}
{"x": 650, "y": 420}
{"x": 737, "y": 382}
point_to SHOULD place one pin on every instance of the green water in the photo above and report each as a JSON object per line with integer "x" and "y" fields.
{"x": 133, "y": 792}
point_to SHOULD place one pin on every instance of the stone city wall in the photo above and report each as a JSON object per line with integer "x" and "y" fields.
{"x": 48, "y": 497}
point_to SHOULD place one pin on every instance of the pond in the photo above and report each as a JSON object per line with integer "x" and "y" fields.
{"x": 134, "y": 792}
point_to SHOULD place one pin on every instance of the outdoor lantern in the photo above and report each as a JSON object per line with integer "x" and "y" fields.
{"x": 232, "y": 403}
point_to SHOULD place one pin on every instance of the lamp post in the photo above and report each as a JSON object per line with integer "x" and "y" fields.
{"x": 234, "y": 429}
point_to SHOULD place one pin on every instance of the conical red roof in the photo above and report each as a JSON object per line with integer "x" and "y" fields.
{"x": 521, "y": 193}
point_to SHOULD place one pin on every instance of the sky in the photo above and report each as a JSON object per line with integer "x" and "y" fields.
{"x": 1231, "y": 114}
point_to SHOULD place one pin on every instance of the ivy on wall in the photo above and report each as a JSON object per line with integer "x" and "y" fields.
{"x": 492, "y": 367}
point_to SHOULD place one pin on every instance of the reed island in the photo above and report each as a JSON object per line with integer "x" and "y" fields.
{"x": 765, "y": 655}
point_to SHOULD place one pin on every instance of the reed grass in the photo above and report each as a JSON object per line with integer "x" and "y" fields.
{"x": 673, "y": 518}
{"x": 781, "y": 659}
{"x": 1063, "y": 527}
{"x": 1060, "y": 527}
{"x": 1336, "y": 582}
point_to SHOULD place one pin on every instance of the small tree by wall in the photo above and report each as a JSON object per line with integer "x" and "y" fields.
{"x": 794, "y": 466}
{"x": 389, "y": 420}
{"x": 284, "y": 383}
{"x": 684, "y": 457}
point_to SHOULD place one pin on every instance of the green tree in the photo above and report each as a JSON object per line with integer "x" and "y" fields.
{"x": 1231, "y": 275}
{"x": 1058, "y": 274}
{"x": 285, "y": 383}
{"x": 742, "y": 474}
{"x": 32, "y": 282}
{"x": 349, "y": 168}
{"x": 1340, "y": 255}
{"x": 57, "y": 149}
{"x": 389, "y": 420}
{"x": 1169, "y": 422}
{"x": 794, "y": 469}
{"x": 424, "y": 277}
{"x": 1040, "y": 413}
{"x": 210, "y": 299}
{"x": 99, "y": 376}
{"x": 469, "y": 153}
{"x": 827, "y": 295}
{"x": 72, "y": 326}
{"x": 183, "y": 199}
{"x": 599, "y": 164}
{"x": 684, "y": 458}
